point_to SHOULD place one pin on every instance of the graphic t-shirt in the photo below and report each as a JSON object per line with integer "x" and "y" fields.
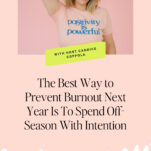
{"x": 80, "y": 27}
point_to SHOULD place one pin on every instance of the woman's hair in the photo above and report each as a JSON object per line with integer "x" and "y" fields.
{"x": 91, "y": 5}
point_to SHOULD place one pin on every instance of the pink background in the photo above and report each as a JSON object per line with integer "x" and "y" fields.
{"x": 19, "y": 72}
{"x": 37, "y": 31}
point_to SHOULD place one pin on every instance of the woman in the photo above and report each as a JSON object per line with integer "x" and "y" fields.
{"x": 80, "y": 22}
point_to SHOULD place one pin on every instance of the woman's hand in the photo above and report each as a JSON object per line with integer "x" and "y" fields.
{"x": 51, "y": 6}
{"x": 110, "y": 45}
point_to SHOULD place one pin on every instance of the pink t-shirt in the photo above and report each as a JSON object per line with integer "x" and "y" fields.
{"x": 79, "y": 27}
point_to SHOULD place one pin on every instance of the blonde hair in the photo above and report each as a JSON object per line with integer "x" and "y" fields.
{"x": 91, "y": 5}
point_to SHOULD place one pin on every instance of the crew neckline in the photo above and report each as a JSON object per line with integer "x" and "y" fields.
{"x": 83, "y": 11}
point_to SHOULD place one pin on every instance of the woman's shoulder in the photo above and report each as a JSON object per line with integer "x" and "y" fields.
{"x": 101, "y": 10}
{"x": 62, "y": 5}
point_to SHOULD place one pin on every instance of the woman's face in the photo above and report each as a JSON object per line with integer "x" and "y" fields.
{"x": 81, "y": 2}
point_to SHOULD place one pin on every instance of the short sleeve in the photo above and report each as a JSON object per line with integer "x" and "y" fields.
{"x": 108, "y": 24}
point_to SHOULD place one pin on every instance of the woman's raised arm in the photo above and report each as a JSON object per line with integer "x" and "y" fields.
{"x": 51, "y": 6}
